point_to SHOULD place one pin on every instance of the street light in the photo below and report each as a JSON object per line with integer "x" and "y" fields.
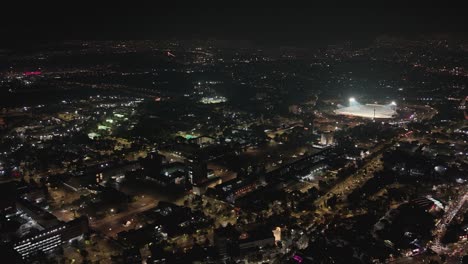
{"x": 352, "y": 100}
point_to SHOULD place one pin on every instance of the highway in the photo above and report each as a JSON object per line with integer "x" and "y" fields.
{"x": 451, "y": 211}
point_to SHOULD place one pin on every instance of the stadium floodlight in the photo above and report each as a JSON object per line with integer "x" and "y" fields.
{"x": 374, "y": 111}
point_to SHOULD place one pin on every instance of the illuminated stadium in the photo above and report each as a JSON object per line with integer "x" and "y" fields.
{"x": 367, "y": 110}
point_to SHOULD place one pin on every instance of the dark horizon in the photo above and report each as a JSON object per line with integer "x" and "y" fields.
{"x": 46, "y": 23}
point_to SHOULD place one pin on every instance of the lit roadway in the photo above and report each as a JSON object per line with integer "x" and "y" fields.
{"x": 342, "y": 189}
{"x": 452, "y": 210}
{"x": 171, "y": 156}
{"x": 358, "y": 178}
{"x": 345, "y": 187}
{"x": 113, "y": 224}
{"x": 453, "y": 251}
{"x": 222, "y": 172}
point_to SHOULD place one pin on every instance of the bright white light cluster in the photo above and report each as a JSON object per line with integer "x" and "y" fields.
{"x": 367, "y": 110}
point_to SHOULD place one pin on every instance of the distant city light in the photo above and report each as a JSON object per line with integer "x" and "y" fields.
{"x": 29, "y": 73}
{"x": 213, "y": 100}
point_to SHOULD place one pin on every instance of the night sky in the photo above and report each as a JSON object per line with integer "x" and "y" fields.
{"x": 129, "y": 20}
